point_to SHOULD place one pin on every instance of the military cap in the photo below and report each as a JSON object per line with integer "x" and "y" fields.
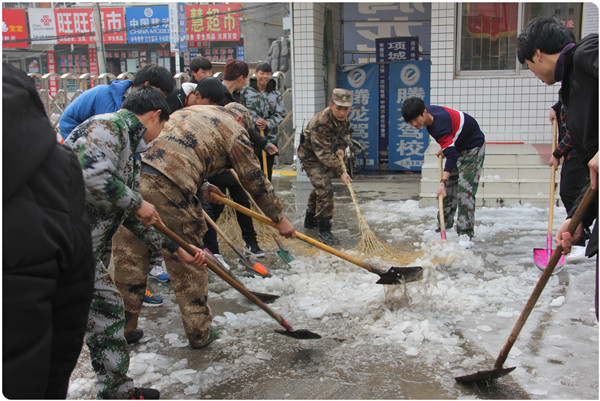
{"x": 239, "y": 110}
{"x": 342, "y": 97}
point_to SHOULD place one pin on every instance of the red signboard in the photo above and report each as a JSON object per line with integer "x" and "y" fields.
{"x": 51, "y": 57}
{"x": 73, "y": 21}
{"x": 14, "y": 27}
{"x": 213, "y": 22}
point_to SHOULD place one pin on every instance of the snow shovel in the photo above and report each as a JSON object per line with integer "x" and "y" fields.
{"x": 266, "y": 298}
{"x": 255, "y": 267}
{"x": 541, "y": 256}
{"x": 282, "y": 253}
{"x": 499, "y": 370}
{"x": 441, "y": 201}
{"x": 301, "y": 334}
{"x": 395, "y": 275}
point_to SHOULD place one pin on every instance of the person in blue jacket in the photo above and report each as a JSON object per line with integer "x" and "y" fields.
{"x": 463, "y": 145}
{"x": 103, "y": 99}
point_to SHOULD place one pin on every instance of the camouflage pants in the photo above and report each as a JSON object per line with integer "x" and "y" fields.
{"x": 105, "y": 335}
{"x": 131, "y": 258}
{"x": 320, "y": 200}
{"x": 461, "y": 189}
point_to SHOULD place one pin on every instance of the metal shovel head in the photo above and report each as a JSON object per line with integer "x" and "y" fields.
{"x": 399, "y": 275}
{"x": 301, "y": 334}
{"x": 266, "y": 298}
{"x": 542, "y": 256}
{"x": 484, "y": 375}
{"x": 287, "y": 258}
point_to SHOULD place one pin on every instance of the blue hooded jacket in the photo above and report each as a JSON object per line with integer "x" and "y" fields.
{"x": 97, "y": 100}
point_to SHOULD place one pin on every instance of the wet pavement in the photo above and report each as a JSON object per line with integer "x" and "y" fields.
{"x": 408, "y": 342}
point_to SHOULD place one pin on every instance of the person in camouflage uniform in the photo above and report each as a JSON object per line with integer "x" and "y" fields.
{"x": 326, "y": 136}
{"x": 266, "y": 108}
{"x": 463, "y": 145}
{"x": 198, "y": 142}
{"x": 106, "y": 146}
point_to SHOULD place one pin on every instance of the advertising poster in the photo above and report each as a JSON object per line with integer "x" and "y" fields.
{"x": 147, "y": 24}
{"x": 14, "y": 27}
{"x": 42, "y": 26}
{"x": 212, "y": 22}
{"x": 362, "y": 82}
{"x": 407, "y": 144}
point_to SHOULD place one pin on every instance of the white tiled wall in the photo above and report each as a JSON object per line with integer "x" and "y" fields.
{"x": 508, "y": 109}
{"x": 308, "y": 80}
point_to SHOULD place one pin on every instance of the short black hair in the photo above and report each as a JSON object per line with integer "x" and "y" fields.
{"x": 264, "y": 67}
{"x": 156, "y": 76}
{"x": 235, "y": 69}
{"x": 412, "y": 108}
{"x": 211, "y": 88}
{"x": 200, "y": 62}
{"x": 544, "y": 33}
{"x": 146, "y": 99}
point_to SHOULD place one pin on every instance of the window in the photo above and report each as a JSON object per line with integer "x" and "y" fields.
{"x": 488, "y": 33}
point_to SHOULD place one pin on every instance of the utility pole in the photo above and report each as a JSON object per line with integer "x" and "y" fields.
{"x": 99, "y": 39}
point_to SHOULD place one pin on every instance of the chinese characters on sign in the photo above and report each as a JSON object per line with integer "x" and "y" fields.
{"x": 215, "y": 22}
{"x": 147, "y": 24}
{"x": 14, "y": 27}
{"x": 73, "y": 21}
{"x": 362, "y": 82}
{"x": 406, "y": 144}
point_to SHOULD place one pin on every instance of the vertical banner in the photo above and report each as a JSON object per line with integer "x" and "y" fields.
{"x": 390, "y": 50}
{"x": 407, "y": 144}
{"x": 173, "y": 27}
{"x": 362, "y": 82}
{"x": 182, "y": 25}
{"x": 51, "y": 58}
{"x": 240, "y": 53}
{"x": 93, "y": 59}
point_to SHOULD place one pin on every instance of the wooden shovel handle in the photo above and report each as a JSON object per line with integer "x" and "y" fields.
{"x": 264, "y": 156}
{"x": 303, "y": 237}
{"x": 219, "y": 272}
{"x": 552, "y": 179}
{"x": 440, "y": 199}
{"x": 587, "y": 200}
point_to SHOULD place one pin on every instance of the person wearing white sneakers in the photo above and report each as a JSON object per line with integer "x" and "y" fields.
{"x": 463, "y": 145}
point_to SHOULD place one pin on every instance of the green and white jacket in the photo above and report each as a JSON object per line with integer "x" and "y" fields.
{"x": 267, "y": 105}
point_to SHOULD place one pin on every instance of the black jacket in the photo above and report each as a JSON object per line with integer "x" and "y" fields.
{"x": 47, "y": 262}
{"x": 579, "y": 97}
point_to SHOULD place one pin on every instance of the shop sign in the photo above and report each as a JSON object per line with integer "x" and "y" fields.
{"x": 73, "y": 21}
{"x": 51, "y": 58}
{"x": 147, "y": 24}
{"x": 213, "y": 22}
{"x": 14, "y": 27}
{"x": 42, "y": 25}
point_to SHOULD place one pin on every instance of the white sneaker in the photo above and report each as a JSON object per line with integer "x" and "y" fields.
{"x": 159, "y": 273}
{"x": 220, "y": 259}
{"x": 465, "y": 241}
{"x": 577, "y": 253}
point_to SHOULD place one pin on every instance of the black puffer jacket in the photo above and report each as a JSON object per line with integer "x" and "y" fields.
{"x": 47, "y": 260}
{"x": 579, "y": 96}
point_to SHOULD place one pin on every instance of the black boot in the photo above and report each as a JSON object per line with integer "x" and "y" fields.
{"x": 310, "y": 221}
{"x": 325, "y": 234}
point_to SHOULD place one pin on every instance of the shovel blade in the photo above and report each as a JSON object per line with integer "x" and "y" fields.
{"x": 542, "y": 256}
{"x": 484, "y": 375}
{"x": 287, "y": 258}
{"x": 266, "y": 298}
{"x": 399, "y": 275}
{"x": 301, "y": 334}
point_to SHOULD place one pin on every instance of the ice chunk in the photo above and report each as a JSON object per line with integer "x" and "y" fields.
{"x": 557, "y": 301}
{"x": 184, "y": 375}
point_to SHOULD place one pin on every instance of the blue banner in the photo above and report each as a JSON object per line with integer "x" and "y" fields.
{"x": 362, "y": 82}
{"x": 147, "y": 24}
{"x": 182, "y": 26}
{"x": 407, "y": 144}
{"x": 397, "y": 49}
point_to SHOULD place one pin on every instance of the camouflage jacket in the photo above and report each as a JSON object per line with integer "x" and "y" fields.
{"x": 199, "y": 142}
{"x": 321, "y": 138}
{"x": 105, "y": 146}
{"x": 267, "y": 105}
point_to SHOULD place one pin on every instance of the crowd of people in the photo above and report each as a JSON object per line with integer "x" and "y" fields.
{"x": 144, "y": 151}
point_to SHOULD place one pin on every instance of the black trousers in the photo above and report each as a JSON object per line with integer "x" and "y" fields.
{"x": 573, "y": 176}
{"x": 226, "y": 181}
